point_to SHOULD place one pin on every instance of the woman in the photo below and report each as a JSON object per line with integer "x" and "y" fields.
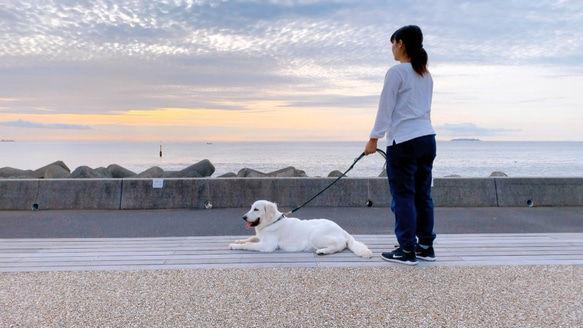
{"x": 404, "y": 117}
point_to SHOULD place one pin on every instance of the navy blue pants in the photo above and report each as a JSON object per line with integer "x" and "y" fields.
{"x": 409, "y": 166}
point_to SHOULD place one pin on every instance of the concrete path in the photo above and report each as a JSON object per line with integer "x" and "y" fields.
{"x": 177, "y": 239}
{"x": 227, "y": 222}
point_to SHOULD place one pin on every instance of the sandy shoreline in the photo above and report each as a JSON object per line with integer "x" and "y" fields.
{"x": 497, "y": 296}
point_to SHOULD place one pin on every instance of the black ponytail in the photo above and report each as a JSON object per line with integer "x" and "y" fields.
{"x": 412, "y": 38}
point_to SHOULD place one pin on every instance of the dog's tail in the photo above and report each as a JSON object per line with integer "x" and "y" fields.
{"x": 358, "y": 248}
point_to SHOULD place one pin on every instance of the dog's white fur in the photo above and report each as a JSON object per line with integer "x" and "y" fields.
{"x": 275, "y": 231}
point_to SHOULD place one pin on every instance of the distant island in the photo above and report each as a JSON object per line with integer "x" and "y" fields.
{"x": 466, "y": 139}
{"x": 6, "y": 140}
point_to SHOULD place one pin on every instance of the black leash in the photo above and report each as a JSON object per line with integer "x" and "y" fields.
{"x": 333, "y": 182}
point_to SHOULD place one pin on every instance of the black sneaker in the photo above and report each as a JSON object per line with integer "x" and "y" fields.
{"x": 398, "y": 256}
{"x": 425, "y": 254}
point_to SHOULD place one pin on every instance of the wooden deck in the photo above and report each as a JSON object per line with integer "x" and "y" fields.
{"x": 29, "y": 255}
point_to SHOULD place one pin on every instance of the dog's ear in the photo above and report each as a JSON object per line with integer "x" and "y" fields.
{"x": 270, "y": 209}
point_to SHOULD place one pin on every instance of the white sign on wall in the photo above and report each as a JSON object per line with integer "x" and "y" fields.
{"x": 157, "y": 183}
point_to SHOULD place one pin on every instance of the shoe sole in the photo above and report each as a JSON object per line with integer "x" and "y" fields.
{"x": 409, "y": 263}
{"x": 429, "y": 259}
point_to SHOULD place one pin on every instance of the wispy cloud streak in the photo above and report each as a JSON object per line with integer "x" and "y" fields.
{"x": 53, "y": 126}
{"x": 471, "y": 130}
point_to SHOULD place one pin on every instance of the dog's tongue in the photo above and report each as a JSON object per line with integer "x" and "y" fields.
{"x": 248, "y": 225}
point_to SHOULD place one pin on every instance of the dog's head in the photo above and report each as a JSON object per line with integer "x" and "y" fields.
{"x": 261, "y": 214}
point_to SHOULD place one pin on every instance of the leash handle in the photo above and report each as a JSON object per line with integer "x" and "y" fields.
{"x": 333, "y": 182}
{"x": 382, "y": 153}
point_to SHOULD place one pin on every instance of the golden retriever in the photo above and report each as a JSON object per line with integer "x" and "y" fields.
{"x": 273, "y": 230}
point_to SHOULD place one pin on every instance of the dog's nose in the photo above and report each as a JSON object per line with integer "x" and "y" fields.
{"x": 245, "y": 218}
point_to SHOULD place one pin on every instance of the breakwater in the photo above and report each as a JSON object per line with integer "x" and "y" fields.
{"x": 200, "y": 193}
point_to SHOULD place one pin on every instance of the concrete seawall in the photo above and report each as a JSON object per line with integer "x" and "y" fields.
{"x": 62, "y": 194}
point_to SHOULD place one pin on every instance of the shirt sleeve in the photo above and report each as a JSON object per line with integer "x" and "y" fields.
{"x": 386, "y": 104}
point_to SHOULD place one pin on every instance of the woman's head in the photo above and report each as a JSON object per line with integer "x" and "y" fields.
{"x": 411, "y": 38}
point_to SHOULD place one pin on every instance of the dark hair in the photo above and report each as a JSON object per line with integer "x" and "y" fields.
{"x": 412, "y": 38}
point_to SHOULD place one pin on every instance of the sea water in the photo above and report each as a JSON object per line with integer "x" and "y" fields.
{"x": 461, "y": 158}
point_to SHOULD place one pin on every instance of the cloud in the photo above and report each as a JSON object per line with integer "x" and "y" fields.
{"x": 470, "y": 130}
{"x": 335, "y": 31}
{"x": 282, "y": 36}
{"x": 55, "y": 126}
{"x": 115, "y": 56}
{"x": 336, "y": 101}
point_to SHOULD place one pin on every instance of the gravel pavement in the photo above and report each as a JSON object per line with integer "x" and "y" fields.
{"x": 497, "y": 296}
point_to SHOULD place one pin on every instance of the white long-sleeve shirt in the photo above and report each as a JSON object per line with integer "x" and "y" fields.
{"x": 405, "y": 105}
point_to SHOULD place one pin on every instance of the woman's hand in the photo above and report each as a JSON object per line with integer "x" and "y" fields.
{"x": 371, "y": 146}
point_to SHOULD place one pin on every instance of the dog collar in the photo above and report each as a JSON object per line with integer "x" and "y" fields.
{"x": 281, "y": 217}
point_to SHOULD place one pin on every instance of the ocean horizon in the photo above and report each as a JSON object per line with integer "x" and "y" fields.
{"x": 465, "y": 158}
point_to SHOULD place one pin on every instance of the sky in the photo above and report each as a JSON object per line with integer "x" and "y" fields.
{"x": 303, "y": 70}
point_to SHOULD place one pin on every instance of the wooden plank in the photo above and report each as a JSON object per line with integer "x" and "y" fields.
{"x": 17, "y": 255}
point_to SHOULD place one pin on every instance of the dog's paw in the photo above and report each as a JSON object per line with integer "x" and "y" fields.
{"x": 240, "y": 241}
{"x": 367, "y": 255}
{"x": 321, "y": 252}
{"x": 234, "y": 246}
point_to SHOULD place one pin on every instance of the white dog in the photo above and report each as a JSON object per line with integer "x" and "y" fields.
{"x": 276, "y": 231}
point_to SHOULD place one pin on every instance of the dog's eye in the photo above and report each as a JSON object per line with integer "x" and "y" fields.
{"x": 256, "y": 209}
